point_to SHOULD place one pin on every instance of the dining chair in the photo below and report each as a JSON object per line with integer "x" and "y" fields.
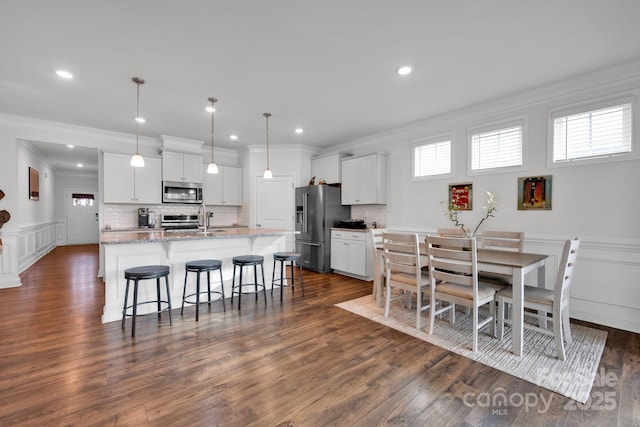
{"x": 403, "y": 272}
{"x": 554, "y": 301}
{"x": 503, "y": 241}
{"x": 450, "y": 232}
{"x": 378, "y": 266}
{"x": 454, "y": 279}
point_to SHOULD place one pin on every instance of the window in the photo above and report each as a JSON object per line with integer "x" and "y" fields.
{"x": 432, "y": 158}
{"x": 601, "y": 131}
{"x": 80, "y": 199}
{"x": 497, "y": 146}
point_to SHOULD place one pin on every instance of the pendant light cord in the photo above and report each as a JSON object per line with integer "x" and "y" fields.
{"x": 213, "y": 101}
{"x": 267, "y": 116}
{"x": 137, "y": 114}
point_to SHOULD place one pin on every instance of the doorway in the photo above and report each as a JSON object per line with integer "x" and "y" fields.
{"x": 81, "y": 217}
{"x": 274, "y": 202}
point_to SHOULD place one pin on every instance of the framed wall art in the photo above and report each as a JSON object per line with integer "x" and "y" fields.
{"x": 534, "y": 193}
{"x": 461, "y": 197}
{"x": 34, "y": 184}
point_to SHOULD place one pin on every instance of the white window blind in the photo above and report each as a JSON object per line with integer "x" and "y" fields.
{"x": 595, "y": 133}
{"x": 496, "y": 148}
{"x": 433, "y": 158}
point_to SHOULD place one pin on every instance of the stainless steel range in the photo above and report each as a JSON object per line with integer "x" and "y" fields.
{"x": 179, "y": 222}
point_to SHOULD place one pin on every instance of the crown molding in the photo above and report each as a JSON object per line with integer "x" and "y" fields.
{"x": 181, "y": 145}
{"x": 281, "y": 148}
{"x": 55, "y": 131}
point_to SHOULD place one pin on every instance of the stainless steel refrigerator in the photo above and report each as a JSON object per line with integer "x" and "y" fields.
{"x": 318, "y": 208}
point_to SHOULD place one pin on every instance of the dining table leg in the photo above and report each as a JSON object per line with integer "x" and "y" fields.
{"x": 517, "y": 330}
{"x": 542, "y": 315}
{"x": 518, "y": 311}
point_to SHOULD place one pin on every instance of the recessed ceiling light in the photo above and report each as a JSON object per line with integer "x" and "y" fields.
{"x": 140, "y": 119}
{"x": 404, "y": 70}
{"x": 299, "y": 130}
{"x": 70, "y": 146}
{"x": 210, "y": 109}
{"x": 233, "y": 137}
{"x": 64, "y": 74}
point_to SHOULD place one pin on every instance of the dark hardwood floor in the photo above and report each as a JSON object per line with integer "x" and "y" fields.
{"x": 303, "y": 362}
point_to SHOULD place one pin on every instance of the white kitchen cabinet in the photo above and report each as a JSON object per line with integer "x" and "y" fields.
{"x": 350, "y": 254}
{"x": 327, "y": 167}
{"x": 125, "y": 184}
{"x": 364, "y": 180}
{"x": 223, "y": 188}
{"x": 181, "y": 167}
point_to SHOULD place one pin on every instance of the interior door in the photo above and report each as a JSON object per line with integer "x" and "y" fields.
{"x": 82, "y": 217}
{"x": 275, "y": 202}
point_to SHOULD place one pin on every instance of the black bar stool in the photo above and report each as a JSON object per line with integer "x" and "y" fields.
{"x": 202, "y": 266}
{"x": 283, "y": 257}
{"x": 143, "y": 273}
{"x": 248, "y": 261}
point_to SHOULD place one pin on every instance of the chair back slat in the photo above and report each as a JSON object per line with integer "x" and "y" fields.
{"x": 503, "y": 240}
{"x": 451, "y": 277}
{"x": 450, "y": 232}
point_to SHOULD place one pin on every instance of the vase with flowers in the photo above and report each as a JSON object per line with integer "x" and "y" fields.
{"x": 490, "y": 209}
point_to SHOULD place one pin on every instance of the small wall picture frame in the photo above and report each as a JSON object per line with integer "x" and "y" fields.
{"x": 34, "y": 184}
{"x": 534, "y": 193}
{"x": 461, "y": 197}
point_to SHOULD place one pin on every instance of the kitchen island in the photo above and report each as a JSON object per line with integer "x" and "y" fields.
{"x": 126, "y": 249}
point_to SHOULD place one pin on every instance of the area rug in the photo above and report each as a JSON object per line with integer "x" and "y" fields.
{"x": 538, "y": 364}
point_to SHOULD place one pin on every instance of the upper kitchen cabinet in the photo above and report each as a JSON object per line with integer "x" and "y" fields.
{"x": 125, "y": 184}
{"x": 364, "y": 180}
{"x": 181, "y": 167}
{"x": 328, "y": 168}
{"x": 223, "y": 188}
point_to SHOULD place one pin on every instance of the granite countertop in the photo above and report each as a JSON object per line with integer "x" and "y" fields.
{"x": 159, "y": 235}
{"x": 157, "y": 229}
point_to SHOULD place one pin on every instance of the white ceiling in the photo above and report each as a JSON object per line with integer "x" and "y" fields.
{"x": 328, "y": 66}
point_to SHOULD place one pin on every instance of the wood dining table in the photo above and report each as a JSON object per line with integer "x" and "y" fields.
{"x": 515, "y": 264}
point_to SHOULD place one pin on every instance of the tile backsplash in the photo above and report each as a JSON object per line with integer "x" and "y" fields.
{"x": 122, "y": 216}
{"x": 370, "y": 214}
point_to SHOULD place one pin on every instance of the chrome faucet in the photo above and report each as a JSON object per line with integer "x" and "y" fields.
{"x": 203, "y": 207}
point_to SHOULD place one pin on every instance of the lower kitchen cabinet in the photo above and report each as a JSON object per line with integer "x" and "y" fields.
{"x": 350, "y": 253}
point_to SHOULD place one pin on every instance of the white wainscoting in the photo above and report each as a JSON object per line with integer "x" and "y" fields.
{"x": 34, "y": 242}
{"x": 9, "y": 277}
{"x": 606, "y": 286}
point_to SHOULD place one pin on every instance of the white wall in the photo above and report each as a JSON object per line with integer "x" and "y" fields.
{"x": 34, "y": 211}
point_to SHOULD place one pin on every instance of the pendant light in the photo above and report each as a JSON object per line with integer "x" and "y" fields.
{"x": 212, "y": 168}
{"x": 137, "y": 160}
{"x": 267, "y": 171}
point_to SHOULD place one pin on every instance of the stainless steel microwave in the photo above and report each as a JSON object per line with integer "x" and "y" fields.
{"x": 181, "y": 192}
